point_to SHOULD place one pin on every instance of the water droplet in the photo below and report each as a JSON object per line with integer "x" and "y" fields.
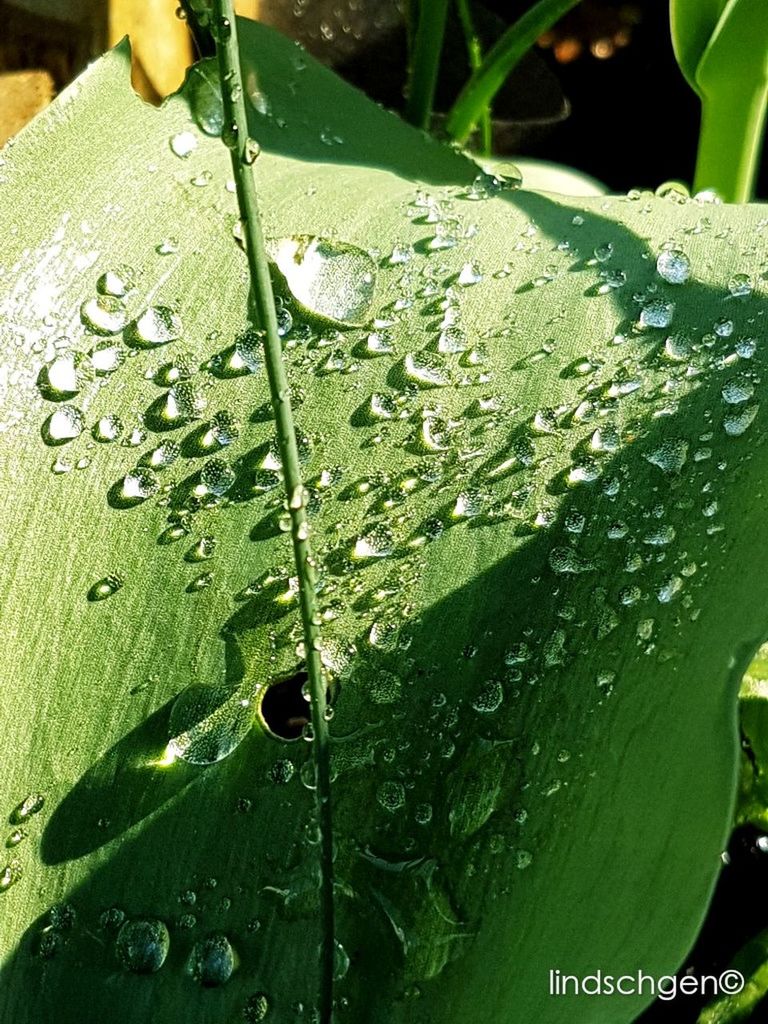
{"x": 740, "y": 286}
{"x": 185, "y": 402}
{"x": 107, "y": 429}
{"x": 670, "y": 456}
{"x": 469, "y": 503}
{"x": 217, "y": 476}
{"x": 64, "y": 425}
{"x": 567, "y": 561}
{"x": 329, "y": 279}
{"x": 669, "y": 589}
{"x": 249, "y": 349}
{"x": 18, "y": 835}
{"x": 140, "y": 483}
{"x": 391, "y": 796}
{"x": 28, "y": 808}
{"x": 383, "y": 407}
{"x": 340, "y": 961}
{"x": 65, "y": 375}
{"x": 282, "y": 771}
{"x": 490, "y": 698}
{"x": 469, "y": 275}
{"x": 142, "y": 945}
{"x": 204, "y": 89}
{"x": 256, "y": 1009}
{"x": 375, "y": 542}
{"x": 451, "y": 340}
{"x": 427, "y": 369}
{"x": 737, "y": 390}
{"x": 104, "y": 314}
{"x": 677, "y": 348}
{"x": 166, "y": 453}
{"x": 10, "y": 875}
{"x": 657, "y": 313}
{"x": 106, "y": 357}
{"x": 105, "y": 587}
{"x": 204, "y": 549}
{"x": 183, "y": 144}
{"x": 208, "y": 722}
{"x": 723, "y": 327}
{"x": 116, "y": 282}
{"x": 157, "y": 325}
{"x": 739, "y": 422}
{"x": 673, "y": 266}
{"x": 212, "y": 961}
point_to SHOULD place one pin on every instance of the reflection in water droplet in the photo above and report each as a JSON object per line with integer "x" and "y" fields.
{"x": 208, "y": 722}
{"x": 142, "y": 945}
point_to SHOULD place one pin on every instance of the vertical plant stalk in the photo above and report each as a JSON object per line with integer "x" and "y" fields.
{"x": 475, "y": 56}
{"x": 730, "y": 141}
{"x": 506, "y": 52}
{"x": 242, "y": 151}
{"x": 425, "y": 61}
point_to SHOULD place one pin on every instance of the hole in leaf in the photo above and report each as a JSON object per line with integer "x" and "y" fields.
{"x": 284, "y": 708}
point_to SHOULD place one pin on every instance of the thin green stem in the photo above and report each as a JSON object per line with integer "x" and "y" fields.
{"x": 475, "y": 57}
{"x": 730, "y": 140}
{"x": 425, "y": 61}
{"x": 225, "y": 33}
{"x": 486, "y": 81}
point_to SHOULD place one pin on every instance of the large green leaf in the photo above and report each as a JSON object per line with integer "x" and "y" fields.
{"x": 536, "y": 744}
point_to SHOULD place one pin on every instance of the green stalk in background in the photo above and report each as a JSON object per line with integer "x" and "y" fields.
{"x": 722, "y": 49}
{"x": 486, "y": 81}
{"x": 243, "y": 151}
{"x": 425, "y": 60}
{"x": 475, "y": 55}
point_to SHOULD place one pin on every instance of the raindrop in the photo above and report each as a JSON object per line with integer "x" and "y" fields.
{"x": 105, "y": 587}
{"x": 567, "y": 561}
{"x": 375, "y": 542}
{"x": 490, "y": 698}
{"x": 739, "y": 422}
{"x": 469, "y": 275}
{"x": 65, "y": 375}
{"x": 657, "y": 313}
{"x": 217, "y": 476}
{"x": 157, "y": 325}
{"x": 140, "y": 483}
{"x": 64, "y": 425}
{"x": 208, "y": 722}
{"x": 740, "y": 286}
{"x": 164, "y": 455}
{"x": 28, "y": 808}
{"x": 185, "y": 402}
{"x": 106, "y": 357}
{"x": 104, "y": 314}
{"x": 183, "y": 144}
{"x": 391, "y": 796}
{"x": 212, "y": 961}
{"x": 142, "y": 945}
{"x": 670, "y": 456}
{"x": 673, "y": 266}
{"x": 427, "y": 369}
{"x": 329, "y": 279}
{"x": 249, "y": 349}
{"x": 10, "y": 875}
{"x": 737, "y": 390}
{"x": 107, "y": 429}
{"x": 115, "y": 282}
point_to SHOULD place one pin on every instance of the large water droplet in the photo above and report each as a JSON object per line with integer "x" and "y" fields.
{"x": 670, "y": 456}
{"x": 212, "y": 961}
{"x": 142, "y": 945}
{"x": 208, "y": 722}
{"x": 64, "y": 425}
{"x": 104, "y": 314}
{"x": 217, "y": 476}
{"x": 329, "y": 279}
{"x": 673, "y": 266}
{"x": 157, "y": 325}
{"x": 427, "y": 369}
{"x": 65, "y": 375}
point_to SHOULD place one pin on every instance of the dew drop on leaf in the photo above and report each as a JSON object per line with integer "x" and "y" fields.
{"x": 104, "y": 314}
{"x": 739, "y": 422}
{"x": 670, "y": 456}
{"x": 157, "y": 325}
{"x": 332, "y": 280}
{"x": 212, "y": 961}
{"x": 140, "y": 483}
{"x": 391, "y": 796}
{"x": 10, "y": 875}
{"x": 217, "y": 477}
{"x": 737, "y": 390}
{"x": 64, "y": 425}
{"x": 184, "y": 402}
{"x": 107, "y": 428}
{"x": 142, "y": 945}
{"x": 427, "y": 369}
{"x": 106, "y": 357}
{"x": 105, "y": 587}
{"x": 673, "y": 266}
{"x": 208, "y": 722}
{"x": 183, "y": 144}
{"x": 657, "y": 313}
{"x": 65, "y": 375}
